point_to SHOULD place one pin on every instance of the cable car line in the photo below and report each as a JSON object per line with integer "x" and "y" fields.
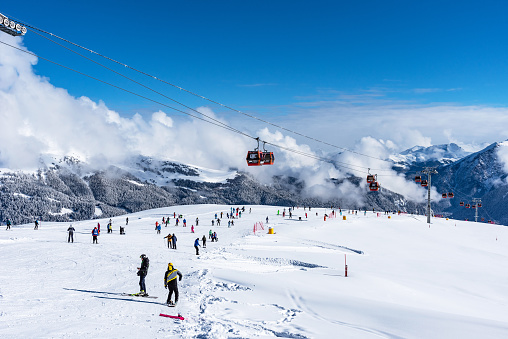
{"x": 198, "y": 95}
{"x": 213, "y": 121}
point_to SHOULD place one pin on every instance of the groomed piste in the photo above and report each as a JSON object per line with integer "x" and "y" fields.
{"x": 405, "y": 278}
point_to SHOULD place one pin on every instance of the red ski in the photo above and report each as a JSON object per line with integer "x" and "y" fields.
{"x": 172, "y": 316}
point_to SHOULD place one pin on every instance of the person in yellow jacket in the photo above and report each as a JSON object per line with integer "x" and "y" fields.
{"x": 171, "y": 284}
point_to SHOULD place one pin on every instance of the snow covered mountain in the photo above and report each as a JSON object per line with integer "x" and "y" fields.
{"x": 478, "y": 175}
{"x": 68, "y": 189}
{"x": 419, "y": 156}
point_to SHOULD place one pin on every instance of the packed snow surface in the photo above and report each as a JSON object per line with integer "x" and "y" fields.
{"x": 404, "y": 279}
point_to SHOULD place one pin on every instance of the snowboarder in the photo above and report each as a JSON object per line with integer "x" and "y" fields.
{"x": 36, "y": 227}
{"x": 169, "y": 236}
{"x": 95, "y": 234}
{"x": 204, "y": 241}
{"x": 196, "y": 245}
{"x": 71, "y": 233}
{"x": 173, "y": 239}
{"x": 9, "y": 225}
{"x": 142, "y": 272}
{"x": 171, "y": 284}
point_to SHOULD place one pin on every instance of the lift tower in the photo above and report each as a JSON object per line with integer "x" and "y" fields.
{"x": 429, "y": 171}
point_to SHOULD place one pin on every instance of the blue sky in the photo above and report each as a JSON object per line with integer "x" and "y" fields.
{"x": 287, "y": 59}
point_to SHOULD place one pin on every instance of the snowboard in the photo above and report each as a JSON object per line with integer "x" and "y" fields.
{"x": 138, "y": 295}
{"x": 172, "y": 316}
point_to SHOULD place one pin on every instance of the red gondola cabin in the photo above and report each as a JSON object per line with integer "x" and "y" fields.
{"x": 450, "y": 195}
{"x": 267, "y": 158}
{"x": 374, "y": 186}
{"x": 461, "y": 203}
{"x": 418, "y": 178}
{"x": 444, "y": 195}
{"x": 424, "y": 183}
{"x": 254, "y": 158}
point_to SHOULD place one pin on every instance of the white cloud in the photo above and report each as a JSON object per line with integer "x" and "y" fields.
{"x": 40, "y": 118}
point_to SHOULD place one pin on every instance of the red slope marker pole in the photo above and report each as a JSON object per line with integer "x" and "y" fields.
{"x": 345, "y": 264}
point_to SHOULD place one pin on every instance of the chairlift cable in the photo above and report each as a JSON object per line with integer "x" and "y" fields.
{"x": 198, "y": 95}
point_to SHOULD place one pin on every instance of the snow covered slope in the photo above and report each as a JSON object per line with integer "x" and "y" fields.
{"x": 405, "y": 279}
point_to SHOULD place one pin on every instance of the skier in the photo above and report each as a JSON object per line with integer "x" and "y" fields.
{"x": 213, "y": 222}
{"x": 215, "y": 215}
{"x": 110, "y": 228}
{"x": 158, "y": 227}
{"x": 177, "y": 221}
{"x": 197, "y": 221}
{"x": 9, "y": 224}
{"x": 173, "y": 239}
{"x": 196, "y": 245}
{"x": 210, "y": 234}
{"x": 169, "y": 240}
{"x": 98, "y": 228}
{"x": 36, "y": 227}
{"x": 126, "y": 221}
{"x": 142, "y": 272}
{"x": 215, "y": 236}
{"x": 267, "y": 219}
{"x": 184, "y": 223}
{"x": 218, "y": 222}
{"x": 192, "y": 229}
{"x": 171, "y": 284}
{"x": 71, "y": 233}
{"x": 204, "y": 241}
{"x": 95, "y": 234}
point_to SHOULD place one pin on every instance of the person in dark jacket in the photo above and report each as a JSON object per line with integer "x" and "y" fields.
{"x": 71, "y": 233}
{"x": 204, "y": 241}
{"x": 196, "y": 245}
{"x": 142, "y": 272}
{"x": 173, "y": 240}
{"x": 8, "y": 224}
{"x": 171, "y": 284}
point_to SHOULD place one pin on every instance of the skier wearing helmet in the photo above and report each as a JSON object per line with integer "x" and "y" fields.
{"x": 171, "y": 284}
{"x": 142, "y": 272}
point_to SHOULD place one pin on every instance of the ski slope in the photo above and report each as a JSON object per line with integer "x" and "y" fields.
{"x": 405, "y": 279}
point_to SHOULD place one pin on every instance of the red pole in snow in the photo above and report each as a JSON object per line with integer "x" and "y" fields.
{"x": 345, "y": 264}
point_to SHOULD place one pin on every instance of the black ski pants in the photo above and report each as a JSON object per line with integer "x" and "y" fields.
{"x": 71, "y": 237}
{"x": 172, "y": 287}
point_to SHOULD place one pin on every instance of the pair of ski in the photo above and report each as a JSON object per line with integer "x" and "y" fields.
{"x": 152, "y": 297}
